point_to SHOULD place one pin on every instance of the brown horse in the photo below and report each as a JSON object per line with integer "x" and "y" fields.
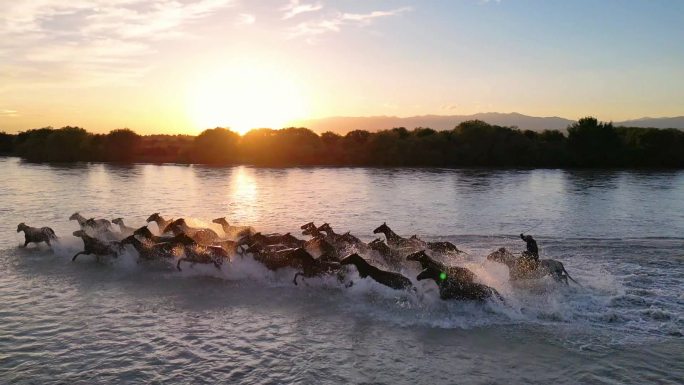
{"x": 527, "y": 268}
{"x": 160, "y": 221}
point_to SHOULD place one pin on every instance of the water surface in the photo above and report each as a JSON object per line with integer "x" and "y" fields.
{"x": 620, "y": 233}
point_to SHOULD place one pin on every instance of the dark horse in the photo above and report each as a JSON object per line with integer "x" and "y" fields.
{"x": 312, "y": 267}
{"x": 396, "y": 241}
{"x": 311, "y": 229}
{"x": 36, "y": 235}
{"x": 388, "y": 278}
{"x": 341, "y": 240}
{"x": 392, "y": 258}
{"x": 460, "y": 273}
{"x": 150, "y": 250}
{"x": 94, "y": 246}
{"x": 451, "y": 287}
{"x": 526, "y": 268}
{"x": 204, "y": 254}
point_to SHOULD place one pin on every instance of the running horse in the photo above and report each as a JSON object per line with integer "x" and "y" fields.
{"x": 527, "y": 268}
{"x": 414, "y": 243}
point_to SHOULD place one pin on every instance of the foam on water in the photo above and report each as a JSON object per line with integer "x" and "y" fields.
{"x": 602, "y": 301}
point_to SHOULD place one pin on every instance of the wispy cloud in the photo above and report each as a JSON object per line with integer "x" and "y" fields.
{"x": 313, "y": 28}
{"x": 365, "y": 17}
{"x": 246, "y": 19}
{"x": 95, "y": 40}
{"x": 295, "y": 7}
{"x": 4, "y": 113}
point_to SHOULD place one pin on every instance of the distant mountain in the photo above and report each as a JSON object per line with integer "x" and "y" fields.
{"x": 344, "y": 124}
{"x": 676, "y": 122}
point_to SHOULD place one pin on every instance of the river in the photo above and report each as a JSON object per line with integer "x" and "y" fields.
{"x": 619, "y": 233}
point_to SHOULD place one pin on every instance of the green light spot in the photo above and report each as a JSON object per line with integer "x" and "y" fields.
{"x": 442, "y": 276}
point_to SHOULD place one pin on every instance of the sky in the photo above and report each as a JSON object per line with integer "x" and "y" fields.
{"x": 180, "y": 66}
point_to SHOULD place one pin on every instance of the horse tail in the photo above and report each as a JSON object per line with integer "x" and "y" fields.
{"x": 568, "y": 275}
{"x": 50, "y": 233}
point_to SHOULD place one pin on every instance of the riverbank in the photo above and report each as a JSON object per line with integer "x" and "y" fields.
{"x": 588, "y": 144}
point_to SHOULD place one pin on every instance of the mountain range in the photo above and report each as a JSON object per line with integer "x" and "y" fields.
{"x": 344, "y": 124}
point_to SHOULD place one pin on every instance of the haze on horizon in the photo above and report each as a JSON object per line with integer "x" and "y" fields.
{"x": 182, "y": 66}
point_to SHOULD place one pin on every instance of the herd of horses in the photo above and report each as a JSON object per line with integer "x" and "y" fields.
{"x": 325, "y": 253}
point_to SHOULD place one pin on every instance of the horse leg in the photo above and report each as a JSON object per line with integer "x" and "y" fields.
{"x": 77, "y": 254}
{"x": 26, "y": 242}
{"x": 295, "y": 277}
{"x": 218, "y": 266}
{"x": 178, "y": 265}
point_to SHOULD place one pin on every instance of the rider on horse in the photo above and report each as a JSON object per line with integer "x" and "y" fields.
{"x": 532, "y": 252}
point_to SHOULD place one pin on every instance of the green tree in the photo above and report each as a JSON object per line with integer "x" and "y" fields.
{"x": 215, "y": 146}
{"x": 594, "y": 143}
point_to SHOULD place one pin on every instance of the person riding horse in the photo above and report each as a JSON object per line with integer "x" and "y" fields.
{"x": 532, "y": 252}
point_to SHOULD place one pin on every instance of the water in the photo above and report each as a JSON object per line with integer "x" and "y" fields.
{"x": 620, "y": 233}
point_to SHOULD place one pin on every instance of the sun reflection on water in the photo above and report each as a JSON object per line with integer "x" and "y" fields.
{"x": 244, "y": 195}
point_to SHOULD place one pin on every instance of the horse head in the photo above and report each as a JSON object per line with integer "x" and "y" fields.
{"x": 325, "y": 227}
{"x": 143, "y": 231}
{"x": 79, "y": 233}
{"x": 353, "y": 259}
{"x": 75, "y": 216}
{"x": 379, "y": 245}
{"x": 309, "y": 229}
{"x": 307, "y": 226}
{"x": 21, "y": 227}
{"x": 154, "y": 218}
{"x": 176, "y": 226}
{"x": 221, "y": 221}
{"x": 375, "y": 242}
{"x": 382, "y": 228}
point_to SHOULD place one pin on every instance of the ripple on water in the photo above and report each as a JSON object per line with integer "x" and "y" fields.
{"x": 120, "y": 322}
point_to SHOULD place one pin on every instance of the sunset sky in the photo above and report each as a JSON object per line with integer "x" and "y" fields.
{"x": 181, "y": 66}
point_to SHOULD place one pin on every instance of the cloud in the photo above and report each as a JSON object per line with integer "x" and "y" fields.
{"x": 8, "y": 113}
{"x": 311, "y": 29}
{"x": 294, "y": 8}
{"x": 94, "y": 41}
{"x": 365, "y": 17}
{"x": 246, "y": 19}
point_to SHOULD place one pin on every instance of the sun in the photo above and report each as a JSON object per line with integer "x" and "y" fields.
{"x": 245, "y": 96}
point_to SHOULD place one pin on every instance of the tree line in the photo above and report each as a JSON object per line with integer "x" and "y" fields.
{"x": 588, "y": 143}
